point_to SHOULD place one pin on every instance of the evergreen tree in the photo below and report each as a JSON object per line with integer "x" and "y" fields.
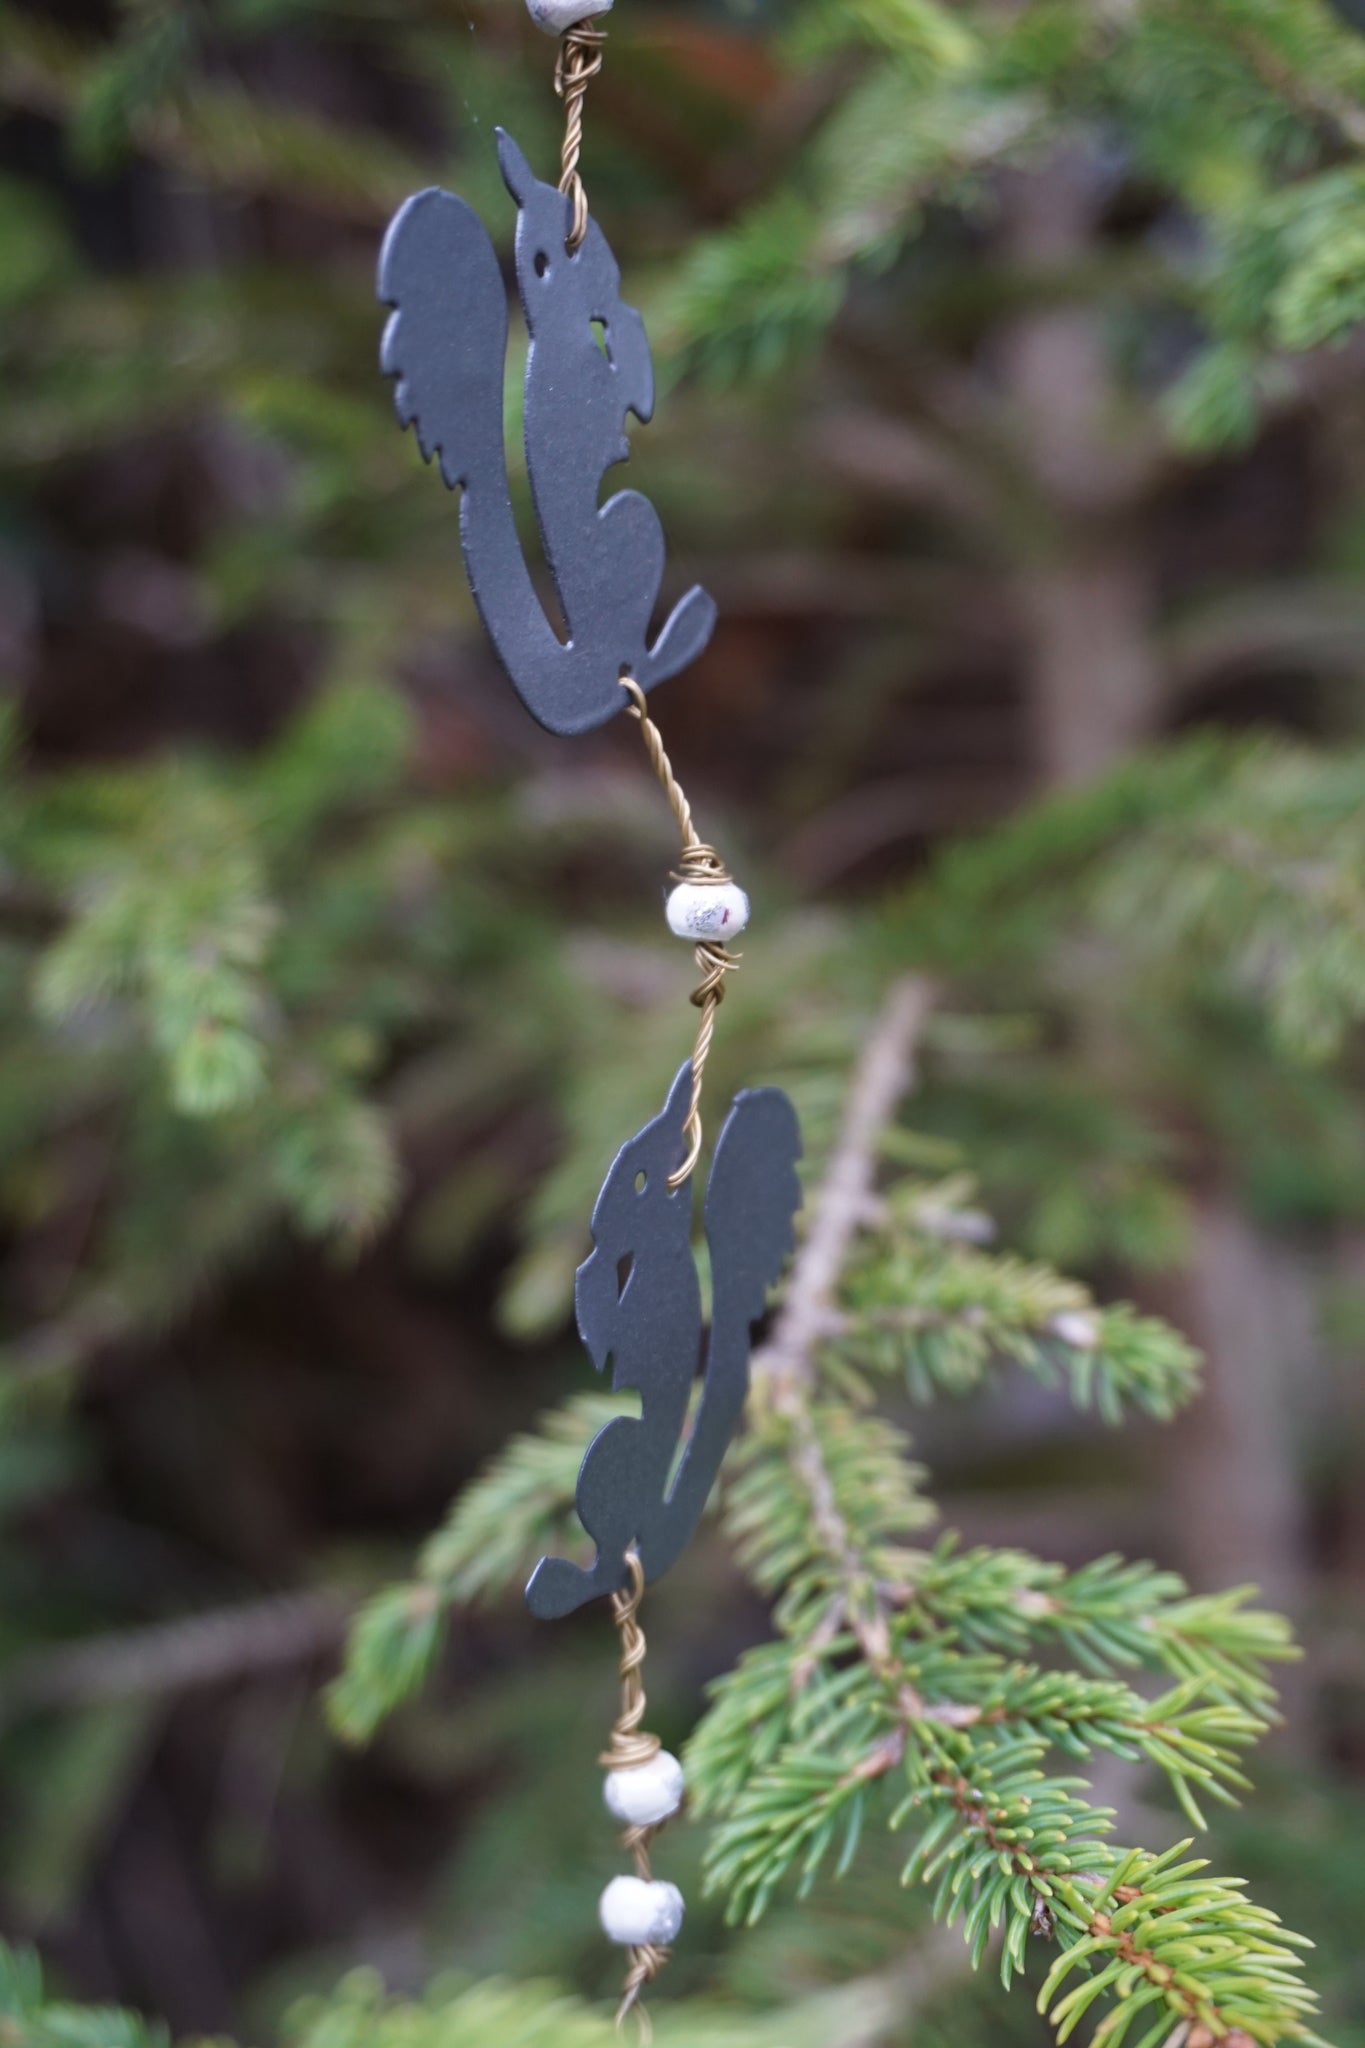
{"x": 1052, "y": 260}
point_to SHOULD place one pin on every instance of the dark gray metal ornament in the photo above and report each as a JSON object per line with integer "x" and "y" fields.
{"x": 445, "y": 344}
{"x": 638, "y": 1305}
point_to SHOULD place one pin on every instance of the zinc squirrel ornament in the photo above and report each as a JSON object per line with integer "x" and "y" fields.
{"x": 446, "y": 346}
{"x": 638, "y": 1305}
{"x": 644, "y": 1479}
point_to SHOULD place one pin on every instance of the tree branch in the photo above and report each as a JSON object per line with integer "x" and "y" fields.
{"x": 884, "y": 1074}
{"x": 783, "y": 1370}
{"x": 174, "y": 1656}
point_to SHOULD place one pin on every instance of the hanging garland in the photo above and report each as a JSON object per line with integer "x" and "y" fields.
{"x": 644, "y": 1480}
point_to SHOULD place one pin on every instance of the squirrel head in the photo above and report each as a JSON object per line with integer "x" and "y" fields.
{"x": 641, "y": 1229}
{"x": 586, "y": 281}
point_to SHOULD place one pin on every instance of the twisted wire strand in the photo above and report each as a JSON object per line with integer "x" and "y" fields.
{"x": 629, "y": 1747}
{"x": 577, "y": 64}
{"x": 645, "y": 1965}
{"x": 697, "y": 862}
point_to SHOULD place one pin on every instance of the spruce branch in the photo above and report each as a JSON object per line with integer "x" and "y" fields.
{"x": 286, "y": 1630}
{"x": 1107, "y": 1616}
{"x": 1170, "y": 1943}
{"x": 884, "y": 1072}
{"x": 943, "y": 1318}
{"x": 968, "y": 1684}
{"x": 361, "y": 2012}
{"x": 819, "y": 1506}
{"x": 870, "y": 1683}
{"x": 849, "y": 1472}
{"x": 1312, "y": 94}
{"x": 177, "y": 924}
{"x": 219, "y": 134}
{"x": 519, "y": 1507}
{"x": 1008, "y": 1846}
{"x": 929, "y": 1670}
{"x": 31, "y": 2019}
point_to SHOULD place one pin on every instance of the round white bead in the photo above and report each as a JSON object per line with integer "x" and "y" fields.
{"x": 555, "y": 16}
{"x": 646, "y": 1794}
{"x": 1076, "y": 1328}
{"x": 707, "y": 910}
{"x": 640, "y": 1912}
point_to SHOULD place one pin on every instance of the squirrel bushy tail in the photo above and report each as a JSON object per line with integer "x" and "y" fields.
{"x": 752, "y": 1197}
{"x": 439, "y": 270}
{"x": 445, "y": 345}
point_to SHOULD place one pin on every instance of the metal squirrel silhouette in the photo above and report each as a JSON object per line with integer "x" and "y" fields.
{"x": 638, "y": 1304}
{"x": 445, "y": 344}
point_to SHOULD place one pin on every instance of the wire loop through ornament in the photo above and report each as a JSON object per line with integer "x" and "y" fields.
{"x": 697, "y": 863}
{"x": 578, "y": 63}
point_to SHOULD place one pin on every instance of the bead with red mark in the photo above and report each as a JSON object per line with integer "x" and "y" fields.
{"x": 707, "y": 910}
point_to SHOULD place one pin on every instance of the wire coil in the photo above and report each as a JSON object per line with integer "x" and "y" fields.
{"x": 577, "y": 64}
{"x": 630, "y": 1746}
{"x": 697, "y": 862}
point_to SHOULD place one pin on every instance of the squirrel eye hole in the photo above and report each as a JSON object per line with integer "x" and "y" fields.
{"x": 542, "y": 263}
{"x": 641, "y": 1181}
{"x": 624, "y": 1267}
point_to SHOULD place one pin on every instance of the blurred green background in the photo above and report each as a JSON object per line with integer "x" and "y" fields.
{"x": 1013, "y": 410}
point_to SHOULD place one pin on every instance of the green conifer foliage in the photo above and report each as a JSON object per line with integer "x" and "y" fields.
{"x": 256, "y": 979}
{"x": 957, "y": 1696}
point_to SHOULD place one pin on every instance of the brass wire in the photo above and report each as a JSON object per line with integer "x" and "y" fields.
{"x": 630, "y": 1746}
{"x": 577, "y": 64}
{"x": 697, "y": 862}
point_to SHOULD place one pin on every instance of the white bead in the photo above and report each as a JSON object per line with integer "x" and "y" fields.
{"x": 555, "y": 16}
{"x": 707, "y": 910}
{"x": 640, "y": 1912}
{"x": 1076, "y": 1328}
{"x": 646, "y": 1794}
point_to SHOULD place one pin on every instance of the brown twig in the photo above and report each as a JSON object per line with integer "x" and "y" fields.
{"x": 785, "y": 1364}
{"x": 177, "y": 1656}
{"x": 783, "y": 1371}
